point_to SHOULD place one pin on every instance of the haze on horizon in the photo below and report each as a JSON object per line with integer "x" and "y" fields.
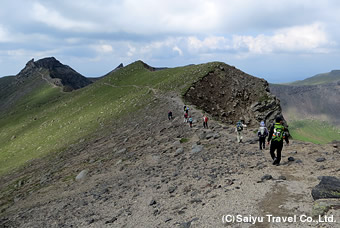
{"x": 281, "y": 41}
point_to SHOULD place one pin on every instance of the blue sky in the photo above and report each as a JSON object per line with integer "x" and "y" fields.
{"x": 281, "y": 41}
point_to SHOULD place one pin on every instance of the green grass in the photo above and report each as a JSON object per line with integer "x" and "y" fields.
{"x": 315, "y": 131}
{"x": 319, "y": 79}
{"x": 46, "y": 120}
{"x": 184, "y": 140}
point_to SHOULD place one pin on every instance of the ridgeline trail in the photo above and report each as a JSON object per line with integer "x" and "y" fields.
{"x": 152, "y": 172}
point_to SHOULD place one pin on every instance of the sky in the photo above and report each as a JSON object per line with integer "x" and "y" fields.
{"x": 279, "y": 40}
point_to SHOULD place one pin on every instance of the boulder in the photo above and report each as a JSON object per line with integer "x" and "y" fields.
{"x": 329, "y": 187}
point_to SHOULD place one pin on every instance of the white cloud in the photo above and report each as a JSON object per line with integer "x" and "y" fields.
{"x": 103, "y": 48}
{"x": 207, "y": 44}
{"x": 168, "y": 32}
{"x": 54, "y": 19}
{"x": 4, "y": 35}
{"x": 178, "y": 50}
{"x": 132, "y": 50}
{"x": 306, "y": 39}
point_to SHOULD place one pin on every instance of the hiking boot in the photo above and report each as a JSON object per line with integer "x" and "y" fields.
{"x": 274, "y": 162}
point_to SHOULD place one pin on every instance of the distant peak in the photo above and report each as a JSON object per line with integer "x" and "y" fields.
{"x": 150, "y": 68}
{"x": 119, "y": 66}
{"x": 48, "y": 63}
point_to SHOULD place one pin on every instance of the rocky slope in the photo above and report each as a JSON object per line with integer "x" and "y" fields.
{"x": 55, "y": 73}
{"x": 152, "y": 172}
{"x": 229, "y": 94}
{"x": 35, "y": 76}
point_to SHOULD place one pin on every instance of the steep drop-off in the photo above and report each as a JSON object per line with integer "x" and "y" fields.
{"x": 316, "y": 102}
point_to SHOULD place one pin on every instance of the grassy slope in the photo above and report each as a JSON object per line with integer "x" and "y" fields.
{"x": 315, "y": 131}
{"x": 47, "y": 121}
{"x": 6, "y": 86}
{"x": 319, "y": 79}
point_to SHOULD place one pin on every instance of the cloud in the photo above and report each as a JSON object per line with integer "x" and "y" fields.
{"x": 132, "y": 50}
{"x": 178, "y": 50}
{"x": 167, "y": 32}
{"x": 299, "y": 39}
{"x": 103, "y": 48}
{"x": 4, "y": 35}
{"x": 55, "y": 19}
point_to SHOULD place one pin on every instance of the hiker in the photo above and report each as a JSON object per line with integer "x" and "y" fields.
{"x": 276, "y": 136}
{"x": 190, "y": 121}
{"x": 239, "y": 129}
{"x": 186, "y": 109}
{"x": 205, "y": 122}
{"x": 170, "y": 115}
{"x": 262, "y": 133}
{"x": 185, "y": 117}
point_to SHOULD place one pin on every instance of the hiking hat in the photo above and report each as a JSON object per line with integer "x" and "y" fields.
{"x": 278, "y": 119}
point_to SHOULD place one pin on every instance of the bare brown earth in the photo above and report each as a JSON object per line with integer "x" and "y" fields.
{"x": 137, "y": 177}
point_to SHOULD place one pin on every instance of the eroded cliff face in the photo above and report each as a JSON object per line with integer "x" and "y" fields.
{"x": 320, "y": 102}
{"x": 229, "y": 94}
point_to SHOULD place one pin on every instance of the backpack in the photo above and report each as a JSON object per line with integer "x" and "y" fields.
{"x": 190, "y": 120}
{"x": 205, "y": 119}
{"x": 239, "y": 126}
{"x": 263, "y": 132}
{"x": 278, "y": 133}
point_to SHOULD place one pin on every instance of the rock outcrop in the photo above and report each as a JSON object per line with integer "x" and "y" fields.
{"x": 56, "y": 73}
{"x": 229, "y": 94}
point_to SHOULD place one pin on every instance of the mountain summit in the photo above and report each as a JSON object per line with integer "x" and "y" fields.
{"x": 54, "y": 72}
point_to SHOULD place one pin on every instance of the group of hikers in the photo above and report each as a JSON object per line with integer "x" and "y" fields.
{"x": 276, "y": 135}
{"x": 188, "y": 118}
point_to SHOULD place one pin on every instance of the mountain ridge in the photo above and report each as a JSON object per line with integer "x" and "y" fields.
{"x": 107, "y": 156}
{"x": 318, "y": 79}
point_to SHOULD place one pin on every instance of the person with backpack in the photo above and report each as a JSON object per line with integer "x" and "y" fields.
{"x": 276, "y": 136}
{"x": 190, "y": 121}
{"x": 239, "y": 129}
{"x": 262, "y": 133}
{"x": 186, "y": 109}
{"x": 170, "y": 115}
{"x": 185, "y": 117}
{"x": 205, "y": 122}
